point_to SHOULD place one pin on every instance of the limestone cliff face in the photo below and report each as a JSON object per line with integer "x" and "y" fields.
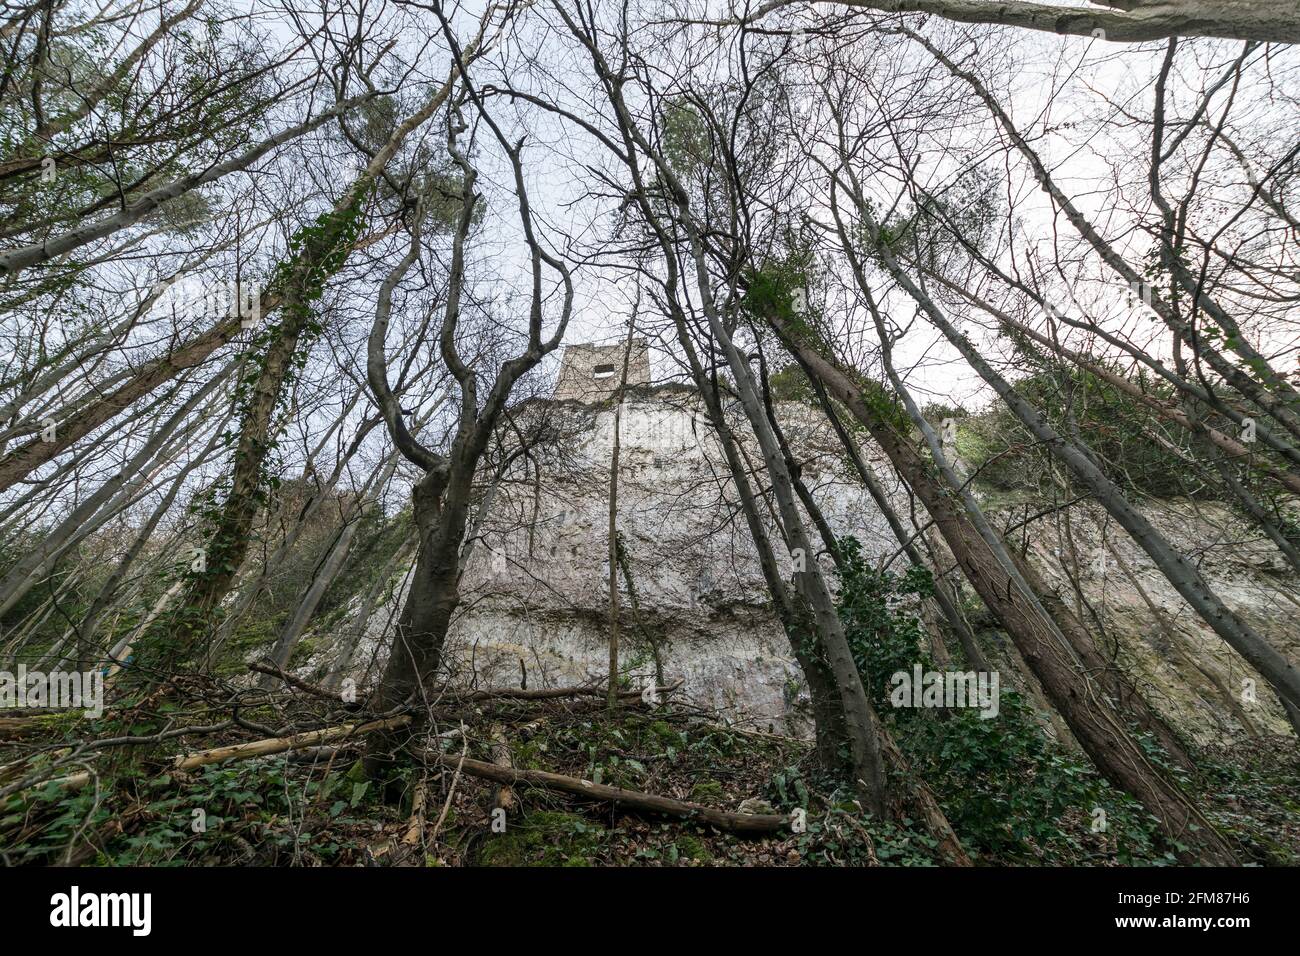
{"x": 1191, "y": 674}
{"x": 536, "y": 587}
{"x": 536, "y": 598}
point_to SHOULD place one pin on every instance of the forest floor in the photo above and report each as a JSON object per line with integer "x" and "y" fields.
{"x": 314, "y": 808}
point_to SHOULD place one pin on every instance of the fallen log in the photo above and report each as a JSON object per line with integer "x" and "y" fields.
{"x": 73, "y": 781}
{"x": 329, "y": 735}
{"x": 649, "y": 802}
{"x": 14, "y": 769}
{"x": 275, "y": 745}
{"x": 317, "y": 754}
{"x": 18, "y": 726}
{"x": 504, "y": 798}
{"x": 415, "y": 826}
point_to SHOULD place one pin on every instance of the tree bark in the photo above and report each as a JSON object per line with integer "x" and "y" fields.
{"x": 1064, "y": 678}
{"x": 1134, "y": 21}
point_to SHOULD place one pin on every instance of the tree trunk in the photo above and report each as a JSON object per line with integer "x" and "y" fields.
{"x": 1134, "y": 22}
{"x": 1280, "y": 673}
{"x": 441, "y": 512}
{"x": 1069, "y": 686}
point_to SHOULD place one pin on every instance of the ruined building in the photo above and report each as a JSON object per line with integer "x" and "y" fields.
{"x": 591, "y": 373}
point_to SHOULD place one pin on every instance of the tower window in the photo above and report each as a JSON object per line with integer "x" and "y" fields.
{"x": 602, "y": 371}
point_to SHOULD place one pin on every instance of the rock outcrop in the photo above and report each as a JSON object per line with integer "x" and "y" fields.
{"x": 536, "y": 599}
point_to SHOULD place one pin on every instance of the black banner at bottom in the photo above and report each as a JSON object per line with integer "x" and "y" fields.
{"x": 358, "y": 906}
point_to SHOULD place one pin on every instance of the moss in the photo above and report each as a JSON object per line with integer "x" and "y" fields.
{"x": 328, "y": 622}
{"x": 693, "y": 848}
{"x": 665, "y": 734}
{"x": 706, "y": 789}
{"x": 790, "y": 692}
{"x": 251, "y": 634}
{"x": 545, "y": 838}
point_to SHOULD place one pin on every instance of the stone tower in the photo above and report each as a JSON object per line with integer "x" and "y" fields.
{"x": 590, "y": 373}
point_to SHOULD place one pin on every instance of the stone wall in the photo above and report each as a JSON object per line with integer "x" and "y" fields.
{"x": 591, "y": 373}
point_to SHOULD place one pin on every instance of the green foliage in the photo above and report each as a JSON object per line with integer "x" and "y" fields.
{"x": 378, "y": 541}
{"x": 1014, "y": 796}
{"x": 781, "y": 291}
{"x": 874, "y": 607}
{"x": 843, "y": 837}
{"x": 838, "y": 833}
{"x": 1257, "y": 784}
{"x": 790, "y": 384}
{"x": 250, "y": 812}
{"x": 687, "y": 144}
{"x": 315, "y": 253}
{"x": 1009, "y": 792}
{"x": 926, "y": 231}
{"x": 544, "y": 838}
{"x": 1113, "y": 424}
{"x": 161, "y": 123}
